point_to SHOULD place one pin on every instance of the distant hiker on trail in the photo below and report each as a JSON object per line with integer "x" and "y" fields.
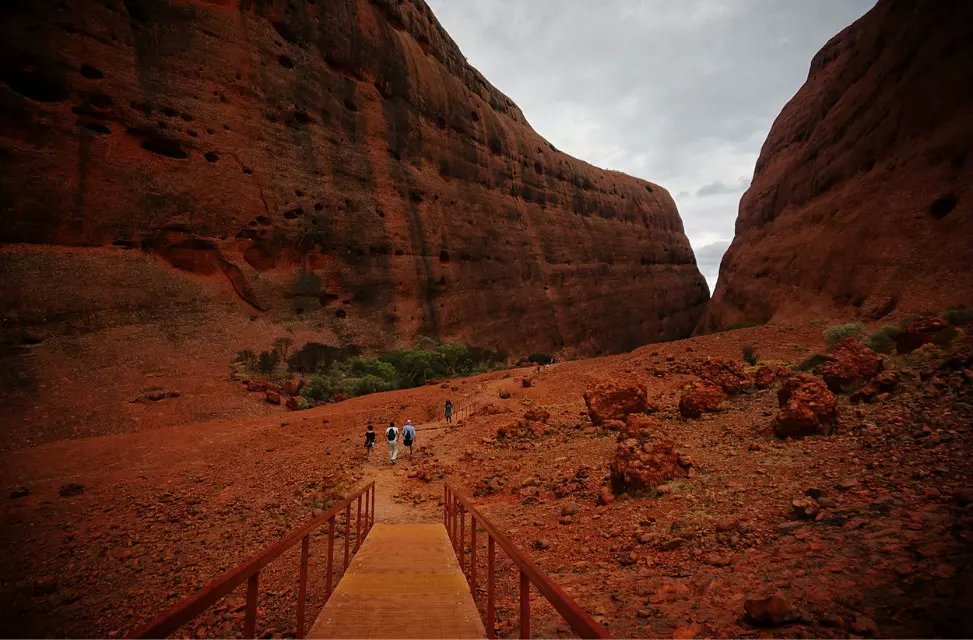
{"x": 449, "y": 411}
{"x": 369, "y": 440}
{"x": 408, "y": 435}
{"x": 392, "y": 435}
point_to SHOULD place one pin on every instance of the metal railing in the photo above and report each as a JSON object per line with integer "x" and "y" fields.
{"x": 455, "y": 508}
{"x": 458, "y": 414}
{"x": 192, "y": 606}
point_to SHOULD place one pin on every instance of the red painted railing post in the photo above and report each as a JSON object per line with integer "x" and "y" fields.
{"x": 358, "y": 527}
{"x": 327, "y": 585}
{"x": 347, "y": 533}
{"x": 491, "y": 589}
{"x": 473, "y": 555}
{"x": 462, "y": 537}
{"x": 250, "y": 617}
{"x": 302, "y": 585}
{"x": 524, "y": 606}
{"x": 446, "y": 507}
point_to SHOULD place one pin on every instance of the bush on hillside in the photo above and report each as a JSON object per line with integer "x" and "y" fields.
{"x": 540, "y": 358}
{"x": 811, "y": 363}
{"x": 882, "y": 340}
{"x": 749, "y": 354}
{"x": 958, "y": 316}
{"x": 834, "y": 335}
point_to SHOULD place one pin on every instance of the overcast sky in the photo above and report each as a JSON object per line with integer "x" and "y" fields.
{"x": 681, "y": 93}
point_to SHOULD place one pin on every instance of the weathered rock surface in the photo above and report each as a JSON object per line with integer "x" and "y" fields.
{"x": 699, "y": 398}
{"x": 862, "y": 194}
{"x": 851, "y": 365}
{"x": 335, "y": 170}
{"x": 807, "y": 407}
{"x": 608, "y": 401}
{"x": 643, "y": 457}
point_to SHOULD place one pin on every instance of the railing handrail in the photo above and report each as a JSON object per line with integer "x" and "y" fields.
{"x": 577, "y": 618}
{"x": 191, "y": 606}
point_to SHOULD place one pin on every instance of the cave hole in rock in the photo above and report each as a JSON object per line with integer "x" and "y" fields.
{"x": 211, "y": 156}
{"x": 192, "y": 133}
{"x": 444, "y": 256}
{"x": 90, "y": 72}
{"x": 318, "y": 206}
{"x": 942, "y": 205}
{"x": 298, "y": 193}
{"x": 327, "y": 298}
{"x": 247, "y": 171}
{"x": 163, "y": 146}
{"x": 475, "y": 116}
{"x": 34, "y": 82}
{"x": 97, "y": 127}
{"x": 340, "y": 313}
{"x": 294, "y": 213}
{"x": 285, "y": 62}
{"x": 262, "y": 220}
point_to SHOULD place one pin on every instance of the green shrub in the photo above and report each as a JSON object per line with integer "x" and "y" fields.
{"x": 315, "y": 356}
{"x": 835, "y": 334}
{"x": 247, "y": 359}
{"x": 267, "y": 361}
{"x": 749, "y": 354}
{"x": 811, "y": 363}
{"x": 882, "y": 340}
{"x": 302, "y": 403}
{"x": 958, "y": 316}
{"x": 540, "y": 358}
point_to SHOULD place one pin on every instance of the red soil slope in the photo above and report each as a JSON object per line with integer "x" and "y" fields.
{"x": 862, "y": 197}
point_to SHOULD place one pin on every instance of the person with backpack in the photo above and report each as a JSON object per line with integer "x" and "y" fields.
{"x": 408, "y": 435}
{"x": 449, "y": 411}
{"x": 369, "y": 440}
{"x": 392, "y": 435}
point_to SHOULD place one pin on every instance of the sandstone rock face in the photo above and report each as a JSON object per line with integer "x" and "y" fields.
{"x": 226, "y": 172}
{"x": 862, "y": 197}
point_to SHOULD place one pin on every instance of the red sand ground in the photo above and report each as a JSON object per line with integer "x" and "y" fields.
{"x": 164, "y": 511}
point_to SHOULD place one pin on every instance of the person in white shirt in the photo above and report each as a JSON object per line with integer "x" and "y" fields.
{"x": 392, "y": 435}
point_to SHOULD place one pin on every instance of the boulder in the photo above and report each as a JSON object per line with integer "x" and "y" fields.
{"x": 613, "y": 401}
{"x": 272, "y": 397}
{"x": 807, "y": 407}
{"x": 884, "y": 382}
{"x": 726, "y": 374}
{"x": 764, "y": 377}
{"x": 928, "y": 330}
{"x": 537, "y": 414}
{"x": 769, "y": 612}
{"x": 701, "y": 397}
{"x": 851, "y": 366}
{"x": 643, "y": 459}
{"x": 257, "y": 385}
{"x": 292, "y": 386}
{"x": 292, "y": 404}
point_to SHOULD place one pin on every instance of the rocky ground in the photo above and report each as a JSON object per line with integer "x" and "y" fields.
{"x": 659, "y": 524}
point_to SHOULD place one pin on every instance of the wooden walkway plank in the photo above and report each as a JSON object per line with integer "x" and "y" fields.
{"x": 404, "y": 582}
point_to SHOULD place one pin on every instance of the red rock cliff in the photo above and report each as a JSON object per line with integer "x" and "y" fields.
{"x": 200, "y": 177}
{"x": 862, "y": 198}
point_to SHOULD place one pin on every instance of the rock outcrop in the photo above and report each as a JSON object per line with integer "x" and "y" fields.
{"x": 862, "y": 197}
{"x": 335, "y": 170}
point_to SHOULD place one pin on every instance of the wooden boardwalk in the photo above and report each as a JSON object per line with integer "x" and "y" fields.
{"x": 404, "y": 582}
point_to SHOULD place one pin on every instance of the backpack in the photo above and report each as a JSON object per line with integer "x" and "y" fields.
{"x": 390, "y": 434}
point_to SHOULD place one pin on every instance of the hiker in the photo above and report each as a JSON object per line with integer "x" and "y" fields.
{"x": 408, "y": 435}
{"x": 449, "y": 411}
{"x": 369, "y": 440}
{"x": 392, "y": 435}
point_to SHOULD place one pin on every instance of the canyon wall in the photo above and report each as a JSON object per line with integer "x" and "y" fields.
{"x": 862, "y": 198}
{"x": 184, "y": 179}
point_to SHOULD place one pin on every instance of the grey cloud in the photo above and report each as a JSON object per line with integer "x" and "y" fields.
{"x": 718, "y": 188}
{"x": 680, "y": 93}
{"x": 708, "y": 259}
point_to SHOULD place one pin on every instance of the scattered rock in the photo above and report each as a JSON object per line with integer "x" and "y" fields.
{"x": 610, "y": 401}
{"x": 643, "y": 459}
{"x": 272, "y": 397}
{"x": 805, "y": 508}
{"x": 526, "y": 383}
{"x": 19, "y": 492}
{"x": 852, "y": 365}
{"x": 864, "y": 626}
{"x": 71, "y": 489}
{"x": 699, "y": 398}
{"x": 257, "y": 385}
{"x": 542, "y": 544}
{"x": 726, "y": 374}
{"x": 769, "y": 612}
{"x": 570, "y": 509}
{"x": 928, "y": 330}
{"x": 885, "y": 382}
{"x": 807, "y": 407}
{"x": 627, "y": 559}
{"x": 605, "y": 496}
